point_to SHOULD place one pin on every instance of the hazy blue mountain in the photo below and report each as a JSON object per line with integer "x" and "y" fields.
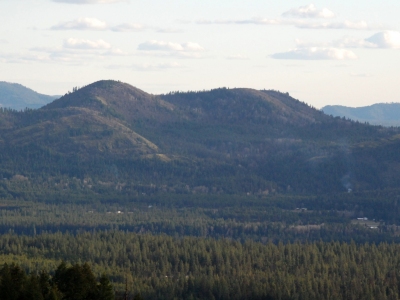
{"x": 386, "y": 114}
{"x": 17, "y": 96}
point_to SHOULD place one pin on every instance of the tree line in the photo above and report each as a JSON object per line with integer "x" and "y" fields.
{"x": 76, "y": 282}
{"x": 163, "y": 267}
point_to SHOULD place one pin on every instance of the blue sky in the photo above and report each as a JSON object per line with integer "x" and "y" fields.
{"x": 324, "y": 52}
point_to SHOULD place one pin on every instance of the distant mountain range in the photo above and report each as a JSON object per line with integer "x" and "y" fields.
{"x": 385, "y": 114}
{"x": 219, "y": 141}
{"x": 19, "y": 97}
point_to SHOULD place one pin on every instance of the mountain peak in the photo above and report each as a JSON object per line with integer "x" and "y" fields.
{"x": 119, "y": 99}
{"x": 94, "y": 94}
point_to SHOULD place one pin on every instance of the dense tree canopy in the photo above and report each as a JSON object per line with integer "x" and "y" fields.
{"x": 68, "y": 283}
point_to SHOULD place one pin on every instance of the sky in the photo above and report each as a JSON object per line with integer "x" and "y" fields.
{"x": 321, "y": 52}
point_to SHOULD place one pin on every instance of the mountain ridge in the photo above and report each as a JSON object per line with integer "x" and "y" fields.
{"x": 18, "y": 97}
{"x": 385, "y": 114}
{"x": 222, "y": 140}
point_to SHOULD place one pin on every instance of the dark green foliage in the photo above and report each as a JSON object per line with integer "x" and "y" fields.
{"x": 161, "y": 267}
{"x": 76, "y": 282}
{"x": 105, "y": 290}
{"x": 69, "y": 283}
{"x": 264, "y": 218}
{"x": 137, "y": 297}
{"x": 12, "y": 280}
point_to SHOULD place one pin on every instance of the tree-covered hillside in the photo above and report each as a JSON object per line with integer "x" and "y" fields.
{"x": 220, "y": 141}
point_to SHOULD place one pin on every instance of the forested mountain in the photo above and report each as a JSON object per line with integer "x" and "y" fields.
{"x": 385, "y": 114}
{"x": 220, "y": 141}
{"x": 19, "y": 97}
{"x": 220, "y": 194}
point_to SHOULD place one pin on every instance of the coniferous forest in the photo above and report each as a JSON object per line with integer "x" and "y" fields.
{"x": 113, "y": 193}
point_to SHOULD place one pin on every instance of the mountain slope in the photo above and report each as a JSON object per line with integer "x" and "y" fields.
{"x": 118, "y": 99}
{"x": 386, "y": 114}
{"x": 218, "y": 141}
{"x": 83, "y": 132}
{"x": 16, "y": 96}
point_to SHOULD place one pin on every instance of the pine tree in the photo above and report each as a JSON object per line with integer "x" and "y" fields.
{"x": 105, "y": 289}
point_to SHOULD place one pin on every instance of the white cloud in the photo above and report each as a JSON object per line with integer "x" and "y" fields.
{"x": 316, "y": 53}
{"x": 89, "y": 1}
{"x": 183, "y": 50}
{"x": 128, "y": 27}
{"x": 360, "y": 25}
{"x": 192, "y": 47}
{"x": 23, "y": 58}
{"x": 309, "y": 11}
{"x": 160, "y": 45}
{"x": 116, "y": 52}
{"x": 385, "y": 39}
{"x": 256, "y": 21}
{"x": 351, "y": 42}
{"x": 85, "y": 44}
{"x": 82, "y": 24}
{"x": 345, "y": 42}
{"x": 96, "y": 24}
{"x": 73, "y": 51}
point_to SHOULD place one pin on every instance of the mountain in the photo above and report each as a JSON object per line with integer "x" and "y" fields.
{"x": 19, "y": 97}
{"x": 385, "y": 114}
{"x": 226, "y": 141}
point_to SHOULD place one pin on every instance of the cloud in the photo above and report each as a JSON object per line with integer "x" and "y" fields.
{"x": 82, "y": 24}
{"x": 302, "y": 24}
{"x": 23, "y": 58}
{"x": 85, "y": 44}
{"x": 129, "y": 27}
{"x": 351, "y": 42}
{"x": 345, "y": 42}
{"x": 360, "y": 25}
{"x": 309, "y": 11}
{"x": 316, "y": 53}
{"x": 385, "y": 39}
{"x": 96, "y": 24}
{"x": 89, "y": 1}
{"x": 48, "y": 56}
{"x": 116, "y": 52}
{"x": 154, "y": 45}
{"x": 255, "y": 21}
{"x": 183, "y": 50}
{"x": 73, "y": 51}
